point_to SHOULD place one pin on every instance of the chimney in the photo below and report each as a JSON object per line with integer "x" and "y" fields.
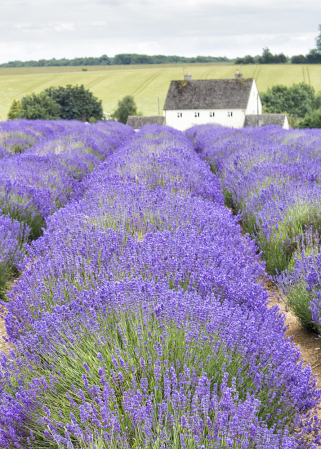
{"x": 188, "y": 77}
{"x": 238, "y": 74}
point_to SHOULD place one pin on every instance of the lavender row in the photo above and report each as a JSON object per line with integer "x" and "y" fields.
{"x": 34, "y": 184}
{"x": 18, "y": 135}
{"x": 139, "y": 320}
{"x": 272, "y": 177}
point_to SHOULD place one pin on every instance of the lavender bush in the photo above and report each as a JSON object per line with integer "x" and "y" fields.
{"x": 13, "y": 236}
{"x": 139, "y": 321}
{"x": 33, "y": 185}
{"x": 18, "y": 135}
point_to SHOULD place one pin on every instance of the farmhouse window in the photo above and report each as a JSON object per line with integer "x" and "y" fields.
{"x": 179, "y": 114}
{"x": 212, "y": 114}
{"x": 230, "y": 114}
{"x": 196, "y": 114}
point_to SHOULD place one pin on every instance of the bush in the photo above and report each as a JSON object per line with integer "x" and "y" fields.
{"x": 312, "y": 120}
{"x": 126, "y": 107}
{"x": 76, "y": 103}
{"x": 299, "y": 59}
{"x": 297, "y": 100}
{"x": 15, "y": 110}
{"x": 39, "y": 107}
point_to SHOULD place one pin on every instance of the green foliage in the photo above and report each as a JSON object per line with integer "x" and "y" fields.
{"x": 76, "y": 102}
{"x": 15, "y": 110}
{"x": 39, "y": 107}
{"x": 299, "y": 59}
{"x": 248, "y": 59}
{"x": 121, "y": 59}
{"x": 313, "y": 57}
{"x": 126, "y": 107}
{"x": 266, "y": 58}
{"x": 92, "y": 120}
{"x": 297, "y": 100}
{"x": 312, "y": 120}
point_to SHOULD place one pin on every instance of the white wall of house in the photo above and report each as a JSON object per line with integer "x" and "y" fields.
{"x": 185, "y": 118}
{"x": 254, "y": 102}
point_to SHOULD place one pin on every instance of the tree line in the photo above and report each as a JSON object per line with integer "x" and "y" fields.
{"x": 313, "y": 57}
{"x": 121, "y": 59}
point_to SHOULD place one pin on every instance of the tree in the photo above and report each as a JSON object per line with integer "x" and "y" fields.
{"x": 15, "y": 110}
{"x": 312, "y": 120}
{"x": 248, "y": 59}
{"x": 299, "y": 59}
{"x": 126, "y": 107}
{"x": 39, "y": 106}
{"x": 297, "y": 100}
{"x": 313, "y": 57}
{"x": 268, "y": 58}
{"x": 76, "y": 103}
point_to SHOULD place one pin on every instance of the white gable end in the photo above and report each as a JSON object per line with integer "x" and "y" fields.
{"x": 254, "y": 105}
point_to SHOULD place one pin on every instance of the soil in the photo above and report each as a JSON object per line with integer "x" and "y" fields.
{"x": 308, "y": 342}
{"x": 4, "y": 346}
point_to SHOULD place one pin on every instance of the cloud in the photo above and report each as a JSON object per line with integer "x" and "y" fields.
{"x": 33, "y": 29}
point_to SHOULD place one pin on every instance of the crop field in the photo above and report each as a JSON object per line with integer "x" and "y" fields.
{"x": 138, "y": 320}
{"x": 145, "y": 83}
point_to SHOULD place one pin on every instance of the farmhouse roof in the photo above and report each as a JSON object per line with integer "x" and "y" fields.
{"x": 138, "y": 121}
{"x": 265, "y": 120}
{"x": 209, "y": 94}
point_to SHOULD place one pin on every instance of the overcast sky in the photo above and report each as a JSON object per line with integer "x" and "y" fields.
{"x": 35, "y": 29}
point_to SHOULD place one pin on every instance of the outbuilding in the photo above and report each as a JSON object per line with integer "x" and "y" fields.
{"x": 138, "y": 121}
{"x": 267, "y": 120}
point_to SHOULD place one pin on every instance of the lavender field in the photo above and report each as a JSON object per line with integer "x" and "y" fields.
{"x": 139, "y": 320}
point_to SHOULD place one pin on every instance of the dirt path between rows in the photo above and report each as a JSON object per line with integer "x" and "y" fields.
{"x": 4, "y": 346}
{"x": 308, "y": 342}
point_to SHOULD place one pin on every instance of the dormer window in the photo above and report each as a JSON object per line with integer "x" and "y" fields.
{"x": 196, "y": 114}
{"x": 179, "y": 114}
{"x": 212, "y": 114}
{"x": 230, "y": 114}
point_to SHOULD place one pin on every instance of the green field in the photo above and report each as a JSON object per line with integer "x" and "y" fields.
{"x": 144, "y": 83}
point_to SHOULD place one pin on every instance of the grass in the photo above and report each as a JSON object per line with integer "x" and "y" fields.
{"x": 145, "y": 83}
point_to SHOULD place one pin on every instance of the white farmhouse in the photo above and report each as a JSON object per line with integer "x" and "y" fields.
{"x": 221, "y": 101}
